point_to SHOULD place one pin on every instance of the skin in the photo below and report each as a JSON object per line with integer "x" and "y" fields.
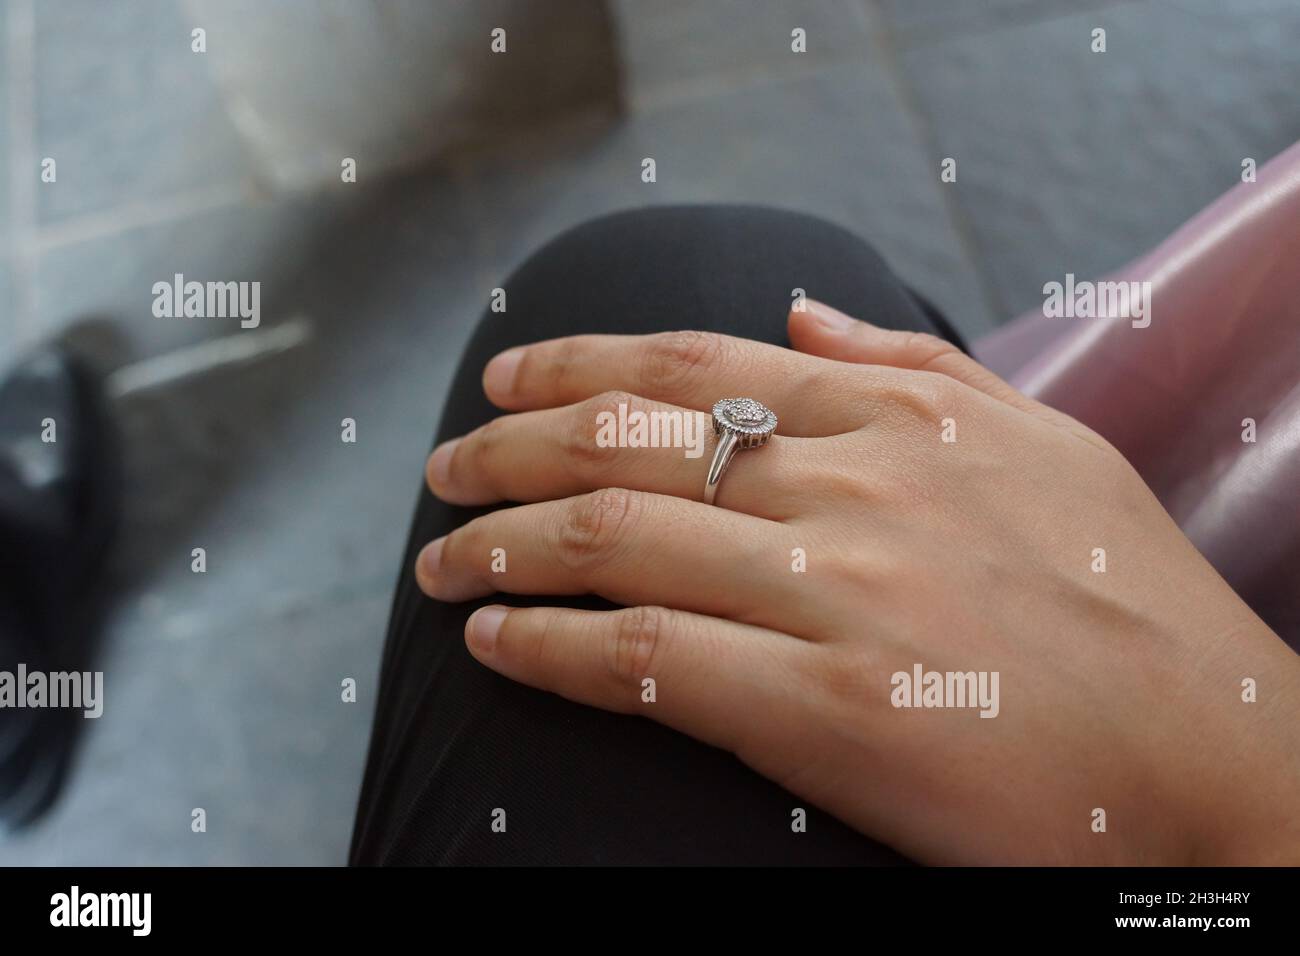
{"x": 1119, "y": 690}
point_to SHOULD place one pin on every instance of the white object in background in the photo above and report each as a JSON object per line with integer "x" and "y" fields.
{"x": 390, "y": 83}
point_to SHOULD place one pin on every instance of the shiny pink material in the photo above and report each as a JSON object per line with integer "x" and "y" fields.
{"x": 1223, "y": 345}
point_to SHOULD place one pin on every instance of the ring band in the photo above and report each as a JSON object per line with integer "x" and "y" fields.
{"x": 738, "y": 423}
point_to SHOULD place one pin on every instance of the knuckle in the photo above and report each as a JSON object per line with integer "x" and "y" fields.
{"x": 866, "y": 575}
{"x": 550, "y": 366}
{"x": 594, "y": 526}
{"x": 850, "y": 574}
{"x": 548, "y": 633}
{"x": 946, "y": 395}
{"x": 487, "y": 442}
{"x": 847, "y": 677}
{"x": 673, "y": 357}
{"x": 837, "y": 486}
{"x": 478, "y": 458}
{"x": 637, "y": 642}
{"x": 919, "y": 397}
{"x": 610, "y": 401}
{"x": 430, "y": 477}
{"x": 583, "y": 446}
{"x": 459, "y": 544}
{"x": 925, "y": 350}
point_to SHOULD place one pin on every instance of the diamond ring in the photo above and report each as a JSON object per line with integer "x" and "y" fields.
{"x": 738, "y": 423}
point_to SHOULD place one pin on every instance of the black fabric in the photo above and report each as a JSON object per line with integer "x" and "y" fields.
{"x": 452, "y": 741}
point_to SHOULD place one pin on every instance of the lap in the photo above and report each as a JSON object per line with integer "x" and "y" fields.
{"x": 455, "y": 746}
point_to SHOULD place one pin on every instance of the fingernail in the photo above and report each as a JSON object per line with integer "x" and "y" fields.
{"x": 440, "y": 463}
{"x": 430, "y": 560}
{"x": 484, "y": 626}
{"x": 499, "y": 376}
{"x": 833, "y": 320}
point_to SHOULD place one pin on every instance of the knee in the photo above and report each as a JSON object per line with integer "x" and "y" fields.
{"x": 629, "y": 234}
{"x": 724, "y": 268}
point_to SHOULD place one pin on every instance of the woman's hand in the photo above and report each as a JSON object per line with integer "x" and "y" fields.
{"x": 914, "y": 513}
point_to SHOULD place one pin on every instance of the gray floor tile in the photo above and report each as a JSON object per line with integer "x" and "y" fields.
{"x": 112, "y": 275}
{"x": 242, "y": 717}
{"x": 248, "y": 461}
{"x": 835, "y": 144}
{"x": 8, "y": 333}
{"x": 533, "y": 186}
{"x": 921, "y": 20}
{"x": 126, "y": 109}
{"x": 396, "y": 82}
{"x": 9, "y": 330}
{"x": 678, "y": 48}
{"x": 1073, "y": 161}
{"x": 228, "y": 681}
{"x": 5, "y": 144}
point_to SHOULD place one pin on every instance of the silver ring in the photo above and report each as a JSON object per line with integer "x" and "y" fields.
{"x": 738, "y": 423}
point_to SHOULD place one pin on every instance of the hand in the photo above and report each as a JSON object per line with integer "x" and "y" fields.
{"x": 1117, "y": 690}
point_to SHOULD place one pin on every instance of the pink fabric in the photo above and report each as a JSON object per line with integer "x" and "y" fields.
{"x": 1223, "y": 345}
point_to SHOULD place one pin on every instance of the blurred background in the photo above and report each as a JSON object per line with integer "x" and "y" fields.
{"x": 223, "y": 688}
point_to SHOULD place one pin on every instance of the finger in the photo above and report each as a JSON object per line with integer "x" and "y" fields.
{"x": 632, "y": 548}
{"x": 561, "y": 452}
{"x": 829, "y": 333}
{"x": 730, "y": 685}
{"x": 811, "y": 397}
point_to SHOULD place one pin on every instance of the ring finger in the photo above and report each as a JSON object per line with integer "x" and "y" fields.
{"x": 612, "y": 440}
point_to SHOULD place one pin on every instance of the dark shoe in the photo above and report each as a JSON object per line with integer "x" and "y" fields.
{"x": 58, "y": 509}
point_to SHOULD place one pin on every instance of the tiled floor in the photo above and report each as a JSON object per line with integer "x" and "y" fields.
{"x": 227, "y": 683}
{"x": 1073, "y": 161}
{"x": 121, "y": 105}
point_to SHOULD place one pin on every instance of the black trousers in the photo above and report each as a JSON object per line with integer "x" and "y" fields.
{"x": 454, "y": 743}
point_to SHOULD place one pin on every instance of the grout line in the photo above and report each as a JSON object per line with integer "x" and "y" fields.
{"x": 137, "y": 215}
{"x": 203, "y": 357}
{"x": 926, "y": 34}
{"x": 727, "y": 81}
{"x": 996, "y": 311}
{"x": 20, "y": 55}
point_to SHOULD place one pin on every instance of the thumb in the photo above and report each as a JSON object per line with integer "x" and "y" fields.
{"x": 829, "y": 333}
